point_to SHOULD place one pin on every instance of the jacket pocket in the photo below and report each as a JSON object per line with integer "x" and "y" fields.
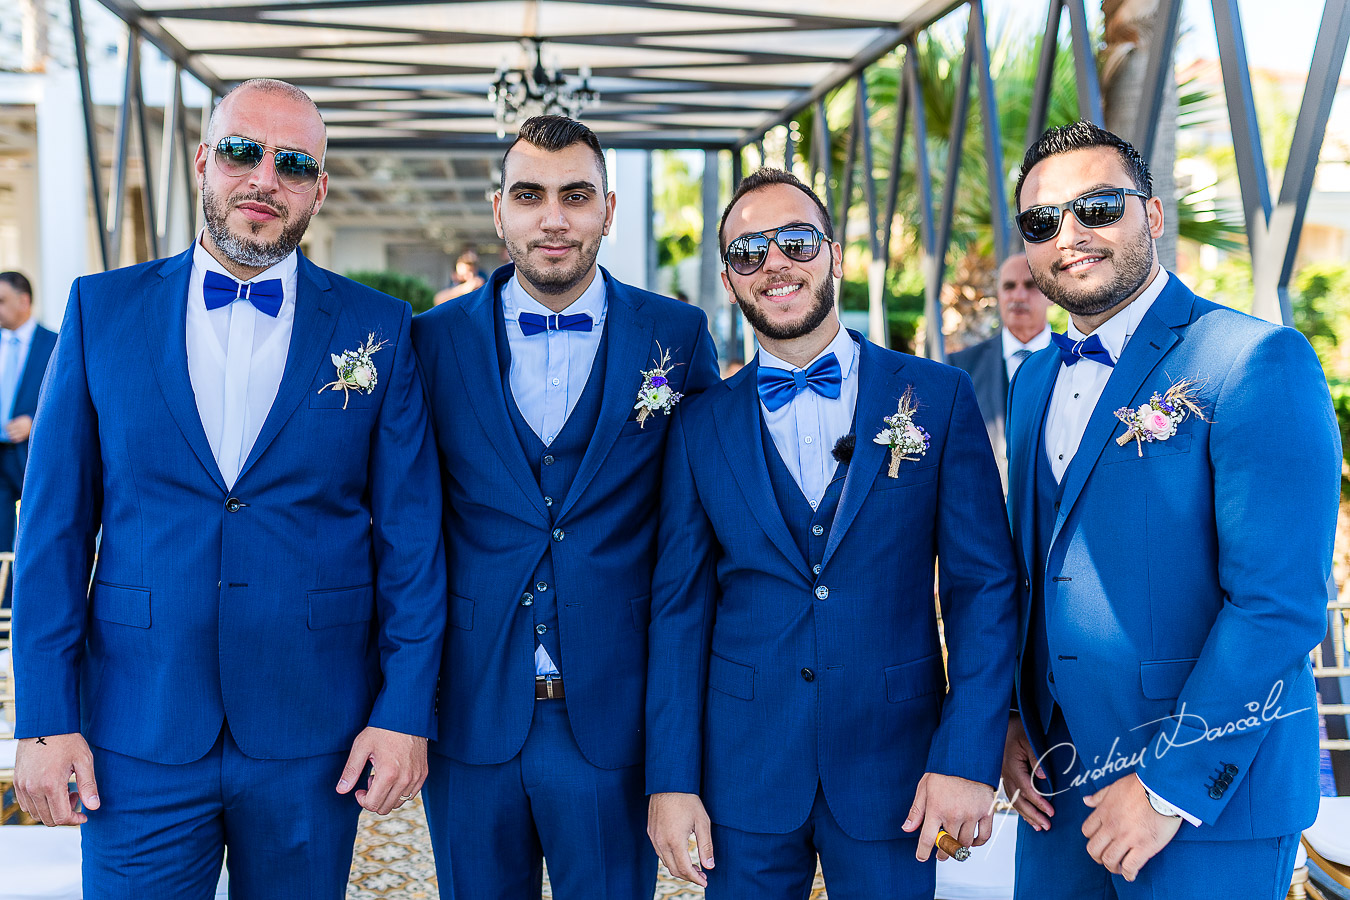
{"x": 1131, "y": 452}
{"x": 341, "y": 606}
{"x": 461, "y": 612}
{"x": 1163, "y": 679}
{"x": 122, "y": 605}
{"x": 736, "y": 679}
{"x": 915, "y": 679}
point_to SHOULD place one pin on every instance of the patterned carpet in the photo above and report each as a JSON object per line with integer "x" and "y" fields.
{"x": 393, "y": 862}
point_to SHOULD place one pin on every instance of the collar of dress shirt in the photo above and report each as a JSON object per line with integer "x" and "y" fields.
{"x": 1115, "y": 332}
{"x": 593, "y": 301}
{"x": 286, "y": 270}
{"x": 24, "y": 332}
{"x": 1011, "y": 344}
{"x": 843, "y": 347}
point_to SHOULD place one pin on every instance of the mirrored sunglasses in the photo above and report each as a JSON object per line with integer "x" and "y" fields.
{"x": 296, "y": 171}
{"x": 1095, "y": 209}
{"x": 798, "y": 242}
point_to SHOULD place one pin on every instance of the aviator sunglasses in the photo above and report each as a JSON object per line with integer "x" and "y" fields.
{"x": 297, "y": 172}
{"x": 799, "y": 242}
{"x": 1095, "y": 209}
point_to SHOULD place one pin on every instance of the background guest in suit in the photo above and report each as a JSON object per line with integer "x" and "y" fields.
{"x": 265, "y": 616}
{"x": 992, "y": 362}
{"x": 1174, "y": 481}
{"x": 797, "y": 685}
{"x": 551, "y": 474}
{"x": 25, "y": 347}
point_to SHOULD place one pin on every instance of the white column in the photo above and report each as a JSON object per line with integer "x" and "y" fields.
{"x": 63, "y": 205}
{"x": 626, "y": 249}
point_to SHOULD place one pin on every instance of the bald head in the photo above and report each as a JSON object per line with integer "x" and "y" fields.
{"x": 263, "y": 86}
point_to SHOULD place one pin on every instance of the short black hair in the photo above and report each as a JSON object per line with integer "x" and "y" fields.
{"x": 554, "y": 133}
{"x": 762, "y": 178}
{"x": 18, "y": 281}
{"x": 1084, "y": 136}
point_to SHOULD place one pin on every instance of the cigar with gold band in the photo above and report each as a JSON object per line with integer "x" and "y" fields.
{"x": 951, "y": 846}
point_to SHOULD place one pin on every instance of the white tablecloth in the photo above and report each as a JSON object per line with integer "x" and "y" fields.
{"x": 1330, "y": 834}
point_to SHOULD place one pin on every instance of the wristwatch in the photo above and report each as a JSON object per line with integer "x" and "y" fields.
{"x": 1161, "y": 806}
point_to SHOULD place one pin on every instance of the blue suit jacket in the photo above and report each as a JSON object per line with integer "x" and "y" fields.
{"x": 26, "y": 395}
{"x": 303, "y": 611}
{"x": 1185, "y": 587}
{"x": 497, "y": 528}
{"x": 736, "y": 615}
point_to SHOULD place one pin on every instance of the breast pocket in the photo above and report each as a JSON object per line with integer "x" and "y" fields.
{"x": 1176, "y": 445}
{"x": 654, "y": 427}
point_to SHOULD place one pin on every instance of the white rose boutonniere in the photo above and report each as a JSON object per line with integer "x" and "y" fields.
{"x": 355, "y": 370}
{"x": 907, "y": 440}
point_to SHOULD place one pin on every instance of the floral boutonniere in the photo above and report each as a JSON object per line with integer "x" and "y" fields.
{"x": 656, "y": 395}
{"x": 1157, "y": 420}
{"x": 906, "y": 440}
{"x": 355, "y": 370}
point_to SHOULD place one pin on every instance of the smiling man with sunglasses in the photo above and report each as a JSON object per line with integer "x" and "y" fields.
{"x": 797, "y": 684}
{"x": 263, "y": 622}
{"x": 1174, "y": 474}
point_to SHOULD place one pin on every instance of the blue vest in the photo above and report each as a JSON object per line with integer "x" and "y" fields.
{"x": 810, "y": 528}
{"x": 554, "y": 466}
{"x": 1037, "y": 664}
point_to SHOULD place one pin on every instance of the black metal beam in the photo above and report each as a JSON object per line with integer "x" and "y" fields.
{"x": 947, "y": 209}
{"x": 897, "y": 154}
{"x": 122, "y": 141}
{"x": 90, "y": 130}
{"x": 1045, "y": 73}
{"x": 1237, "y": 90}
{"x": 1157, "y": 76}
{"x": 923, "y": 181}
{"x": 147, "y": 175}
{"x": 850, "y": 160}
{"x": 978, "y": 39}
{"x": 823, "y": 149}
{"x": 1085, "y": 64}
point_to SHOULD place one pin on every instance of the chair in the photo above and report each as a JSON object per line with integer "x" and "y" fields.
{"x": 1327, "y": 843}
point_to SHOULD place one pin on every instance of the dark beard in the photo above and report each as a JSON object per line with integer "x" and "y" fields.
{"x": 1133, "y": 263}
{"x": 553, "y": 281}
{"x": 241, "y": 250}
{"x": 793, "y": 330}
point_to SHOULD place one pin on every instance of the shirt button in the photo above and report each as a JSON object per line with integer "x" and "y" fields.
{"x": 817, "y": 530}
{"x": 1075, "y": 396}
{"x": 808, "y": 675}
{"x": 813, "y": 504}
{"x": 822, "y": 592}
{"x": 527, "y": 599}
{"x": 548, "y": 460}
{"x": 548, "y": 501}
{"x": 541, "y": 586}
{"x": 815, "y": 569}
{"x": 808, "y": 439}
{"x": 233, "y": 504}
{"x": 540, "y": 629}
{"x": 555, "y": 382}
{"x": 558, "y": 534}
{"x": 1061, "y": 456}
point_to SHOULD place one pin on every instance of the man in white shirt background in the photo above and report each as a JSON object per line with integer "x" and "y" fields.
{"x": 25, "y": 347}
{"x": 992, "y": 363}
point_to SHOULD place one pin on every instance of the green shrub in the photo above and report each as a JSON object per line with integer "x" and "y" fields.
{"x": 416, "y": 292}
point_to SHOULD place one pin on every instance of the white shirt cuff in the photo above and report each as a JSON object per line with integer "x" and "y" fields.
{"x": 1185, "y": 815}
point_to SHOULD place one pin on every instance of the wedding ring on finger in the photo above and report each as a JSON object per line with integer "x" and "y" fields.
{"x": 405, "y": 797}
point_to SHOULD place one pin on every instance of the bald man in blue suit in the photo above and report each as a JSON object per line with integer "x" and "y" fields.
{"x": 1174, "y": 482}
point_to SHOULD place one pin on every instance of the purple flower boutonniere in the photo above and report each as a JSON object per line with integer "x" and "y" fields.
{"x": 656, "y": 394}
{"x": 1157, "y": 420}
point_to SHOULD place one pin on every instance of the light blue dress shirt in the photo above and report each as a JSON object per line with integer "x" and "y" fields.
{"x": 806, "y": 429}
{"x": 14, "y": 346}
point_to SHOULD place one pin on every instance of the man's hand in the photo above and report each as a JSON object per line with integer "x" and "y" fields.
{"x": 1018, "y": 766}
{"x": 19, "y": 428}
{"x": 671, "y": 818}
{"x": 1124, "y": 831}
{"x": 42, "y": 770}
{"x": 398, "y": 766}
{"x": 964, "y": 808}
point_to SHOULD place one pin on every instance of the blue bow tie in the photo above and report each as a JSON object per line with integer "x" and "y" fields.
{"x": 778, "y": 386}
{"x": 533, "y": 323}
{"x": 221, "y": 290}
{"x": 1071, "y": 351}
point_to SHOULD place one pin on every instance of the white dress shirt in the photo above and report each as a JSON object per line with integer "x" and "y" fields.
{"x": 236, "y": 357}
{"x": 14, "y": 346}
{"x": 1080, "y": 386}
{"x": 806, "y": 428}
{"x": 549, "y": 370}
{"x": 1011, "y": 345}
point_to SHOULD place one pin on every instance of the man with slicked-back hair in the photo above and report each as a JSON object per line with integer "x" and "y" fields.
{"x": 551, "y": 389}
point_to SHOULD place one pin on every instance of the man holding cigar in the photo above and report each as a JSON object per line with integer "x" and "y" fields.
{"x": 796, "y": 684}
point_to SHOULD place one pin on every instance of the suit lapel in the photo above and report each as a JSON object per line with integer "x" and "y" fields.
{"x": 738, "y": 420}
{"x": 879, "y": 391}
{"x": 165, "y": 311}
{"x": 1148, "y": 345}
{"x": 311, "y": 335}
{"x": 475, "y": 341}
{"x": 628, "y": 354}
{"x": 1036, "y": 382}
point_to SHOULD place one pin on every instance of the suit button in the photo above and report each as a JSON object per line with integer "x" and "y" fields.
{"x": 527, "y": 599}
{"x": 1225, "y": 779}
{"x": 541, "y": 629}
{"x": 1026, "y": 584}
{"x": 548, "y": 501}
{"x": 815, "y": 570}
{"x": 541, "y": 586}
{"x": 1215, "y": 793}
{"x": 548, "y": 460}
{"x": 558, "y": 534}
{"x": 1052, "y": 677}
{"x": 817, "y": 530}
{"x": 822, "y": 592}
{"x": 233, "y": 504}
{"x": 808, "y": 675}
{"x": 1231, "y": 769}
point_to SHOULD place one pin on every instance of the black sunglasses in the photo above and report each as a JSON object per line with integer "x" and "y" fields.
{"x": 799, "y": 242}
{"x": 297, "y": 172}
{"x": 1095, "y": 209}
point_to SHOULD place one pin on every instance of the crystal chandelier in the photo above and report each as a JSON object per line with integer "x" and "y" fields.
{"x": 518, "y": 94}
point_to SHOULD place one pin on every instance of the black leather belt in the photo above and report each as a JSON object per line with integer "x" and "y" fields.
{"x": 548, "y": 687}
